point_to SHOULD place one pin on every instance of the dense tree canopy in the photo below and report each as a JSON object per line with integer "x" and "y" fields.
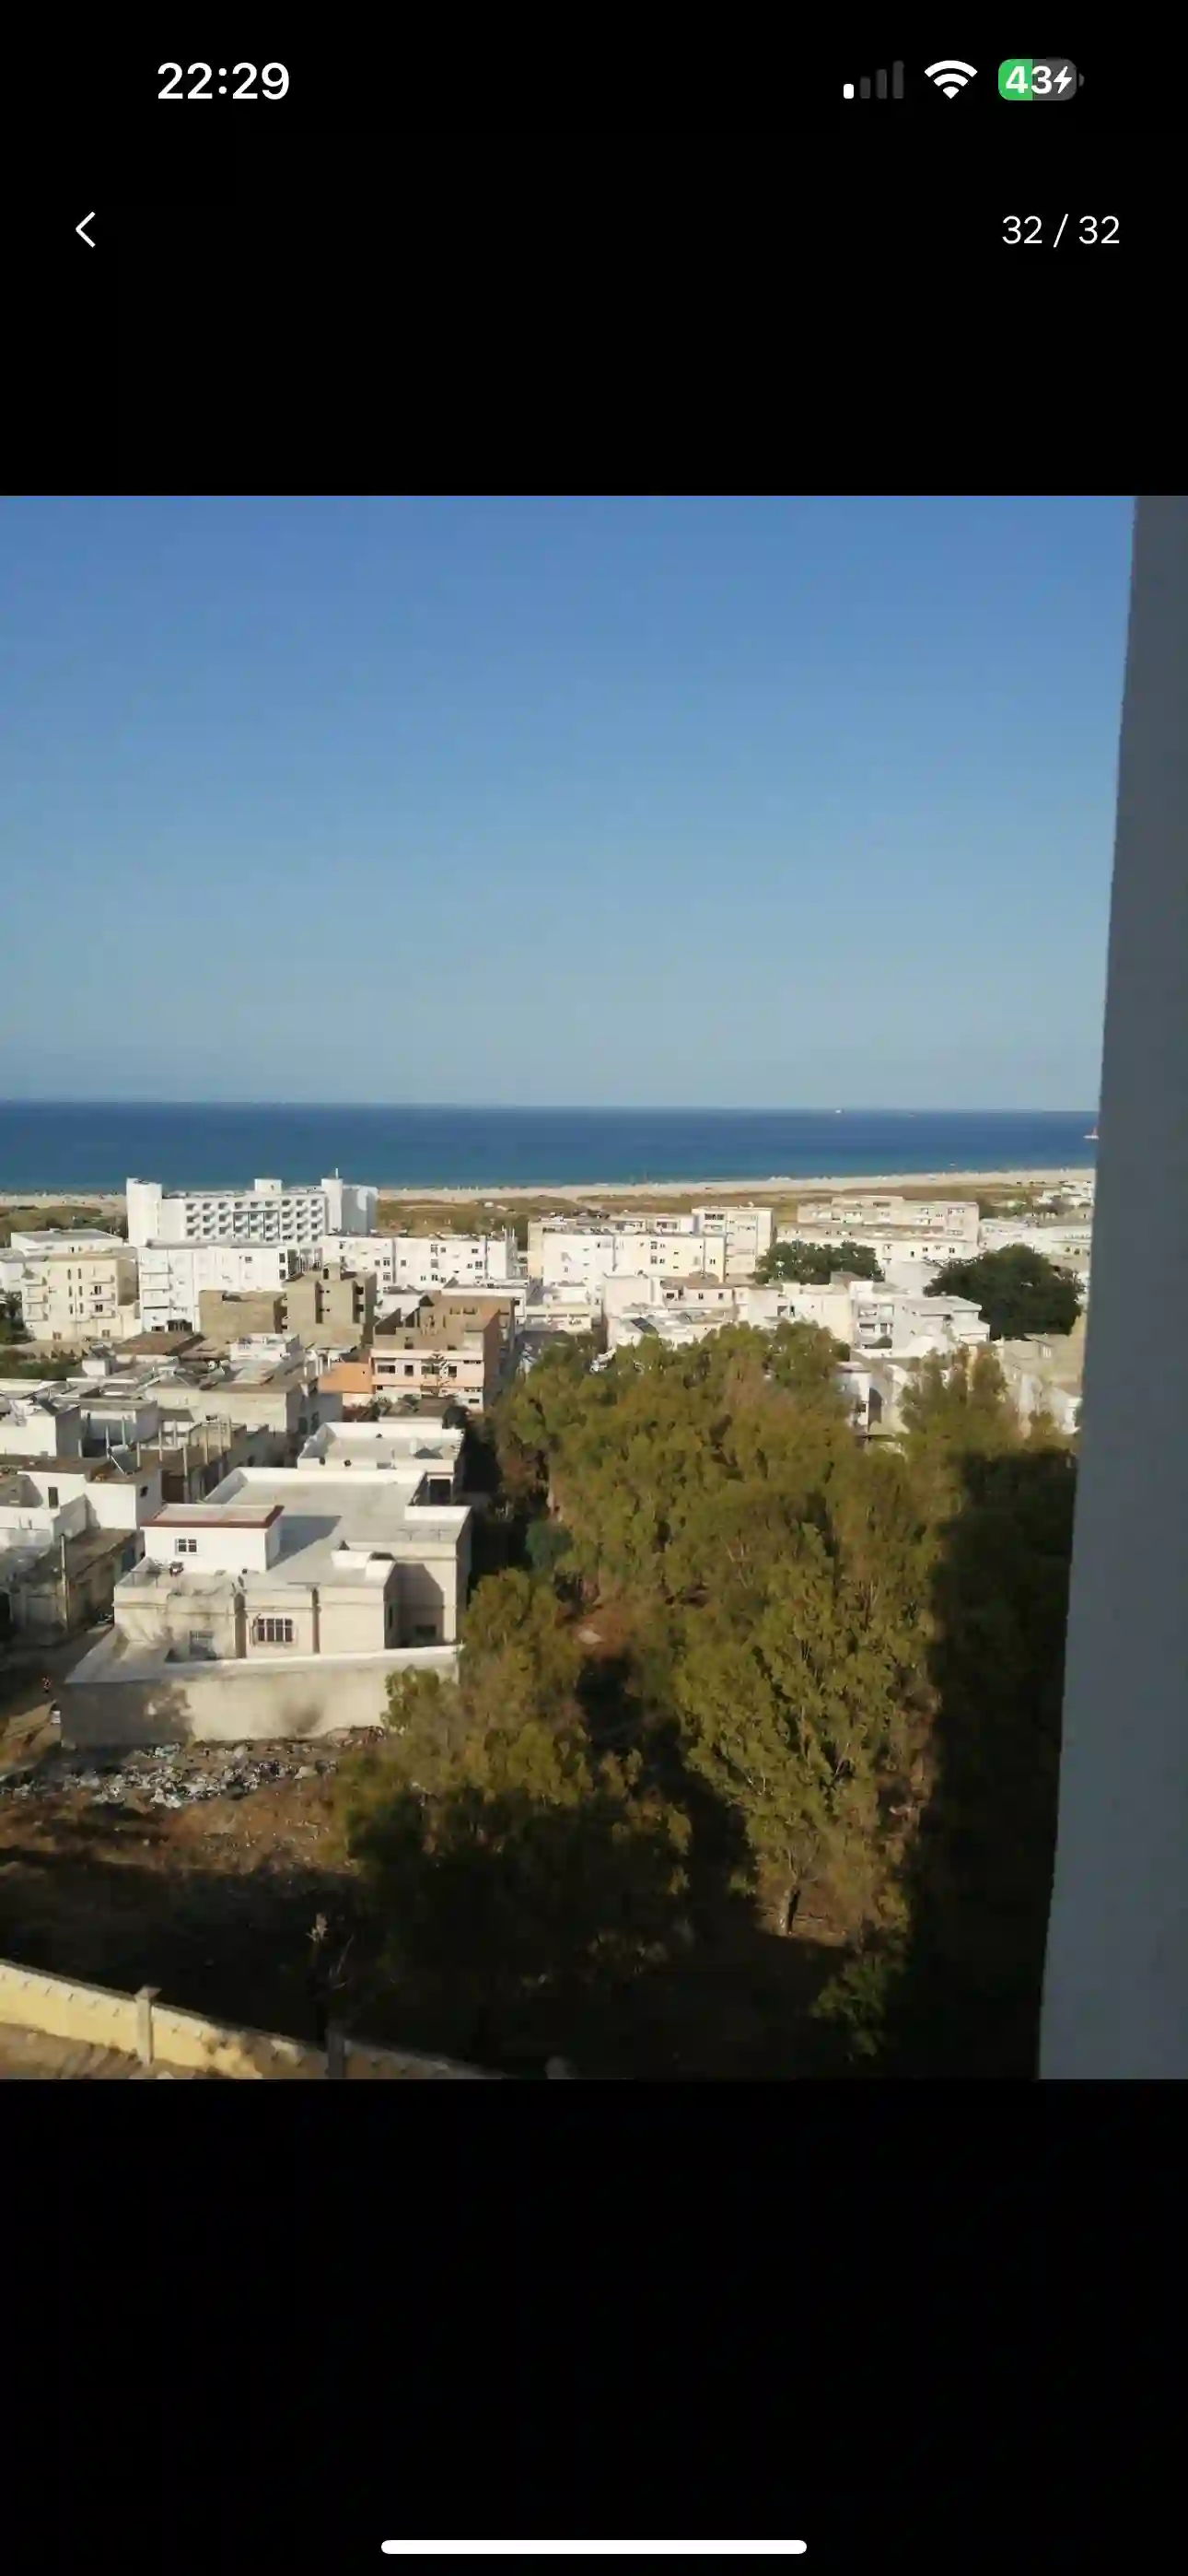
{"x": 813, "y": 1265}
{"x": 1017, "y": 1290}
{"x": 507, "y": 1857}
{"x": 748, "y": 1662}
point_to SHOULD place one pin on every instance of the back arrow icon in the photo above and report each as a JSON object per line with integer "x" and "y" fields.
{"x": 87, "y": 219}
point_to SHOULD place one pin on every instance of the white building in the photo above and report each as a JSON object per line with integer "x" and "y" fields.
{"x": 860, "y": 1315}
{"x": 1058, "y": 1242}
{"x": 890, "y": 1320}
{"x": 264, "y": 1384}
{"x": 38, "y": 1421}
{"x": 572, "y": 1256}
{"x": 79, "y": 1294}
{"x": 55, "y": 1496}
{"x": 67, "y": 1530}
{"x": 267, "y": 1213}
{"x": 413, "y": 1453}
{"x": 174, "y": 1275}
{"x": 36, "y": 1241}
{"x": 419, "y": 1261}
{"x": 878, "y": 1211}
{"x": 674, "y": 1328}
{"x": 717, "y": 1242}
{"x": 282, "y": 1605}
{"x": 830, "y": 1308}
{"x": 918, "y": 1250}
{"x": 678, "y": 1312}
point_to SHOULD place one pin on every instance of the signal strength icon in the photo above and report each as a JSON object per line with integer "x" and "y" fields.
{"x": 880, "y": 84}
{"x": 951, "y": 78}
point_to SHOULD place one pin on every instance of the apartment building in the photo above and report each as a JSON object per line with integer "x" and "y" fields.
{"x": 331, "y": 1303}
{"x": 173, "y": 1276}
{"x": 586, "y": 1256}
{"x": 267, "y": 1213}
{"x": 445, "y": 1360}
{"x": 884, "y": 1318}
{"x": 34, "y": 1242}
{"x": 78, "y": 1296}
{"x": 722, "y": 1243}
{"x": 1058, "y": 1242}
{"x": 746, "y": 1232}
{"x": 414, "y": 1262}
{"x": 476, "y": 1308}
{"x": 553, "y": 1309}
{"x": 280, "y": 1606}
{"x": 319, "y": 1305}
{"x": 679, "y": 1311}
{"x": 843, "y": 1210}
{"x": 917, "y": 1251}
{"x": 1044, "y": 1373}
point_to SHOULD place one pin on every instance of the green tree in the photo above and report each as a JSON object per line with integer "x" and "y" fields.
{"x": 802, "y": 1712}
{"x": 979, "y": 1885}
{"x": 1017, "y": 1290}
{"x": 507, "y": 1865}
{"x": 813, "y": 1265}
{"x": 12, "y": 1322}
{"x": 810, "y": 1680}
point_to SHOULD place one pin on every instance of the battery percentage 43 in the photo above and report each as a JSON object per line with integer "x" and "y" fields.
{"x": 1052, "y": 79}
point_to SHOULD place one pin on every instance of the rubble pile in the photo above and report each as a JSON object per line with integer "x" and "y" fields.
{"x": 171, "y": 1775}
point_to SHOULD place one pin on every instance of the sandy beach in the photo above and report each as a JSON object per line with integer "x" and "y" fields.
{"x": 781, "y": 1185}
{"x": 778, "y": 1185}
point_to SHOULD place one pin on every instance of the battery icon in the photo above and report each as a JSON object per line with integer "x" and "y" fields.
{"x": 1050, "y": 79}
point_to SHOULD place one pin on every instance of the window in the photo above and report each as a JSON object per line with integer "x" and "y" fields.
{"x": 53, "y": 1493}
{"x": 272, "y": 1632}
{"x": 410, "y": 1368}
{"x": 187, "y": 1547}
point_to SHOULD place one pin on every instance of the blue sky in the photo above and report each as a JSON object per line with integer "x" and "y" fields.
{"x": 705, "y": 802}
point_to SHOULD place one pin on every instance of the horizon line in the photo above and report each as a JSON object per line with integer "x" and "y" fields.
{"x": 555, "y": 1109}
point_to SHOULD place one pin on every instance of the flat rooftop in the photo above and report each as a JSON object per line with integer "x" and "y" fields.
{"x": 53, "y": 1239}
{"x": 115, "y": 1467}
{"x": 317, "y": 1512}
{"x": 413, "y": 1440}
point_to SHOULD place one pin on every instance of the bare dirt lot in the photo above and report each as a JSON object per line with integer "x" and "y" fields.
{"x": 212, "y": 1899}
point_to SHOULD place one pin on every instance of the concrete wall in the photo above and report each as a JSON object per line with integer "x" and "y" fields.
{"x": 1116, "y": 1988}
{"x": 143, "y": 2027}
{"x": 152, "y": 1618}
{"x": 39, "y": 1524}
{"x": 37, "y": 1431}
{"x": 38, "y": 1601}
{"x": 227, "y": 1549}
{"x": 225, "y": 1315}
{"x": 251, "y": 1408}
{"x": 125, "y": 1502}
{"x": 111, "y": 1700}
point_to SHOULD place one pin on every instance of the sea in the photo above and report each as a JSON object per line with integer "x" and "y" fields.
{"x": 96, "y": 1145}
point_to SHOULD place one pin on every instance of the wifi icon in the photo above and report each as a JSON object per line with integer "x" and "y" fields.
{"x": 951, "y": 77}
